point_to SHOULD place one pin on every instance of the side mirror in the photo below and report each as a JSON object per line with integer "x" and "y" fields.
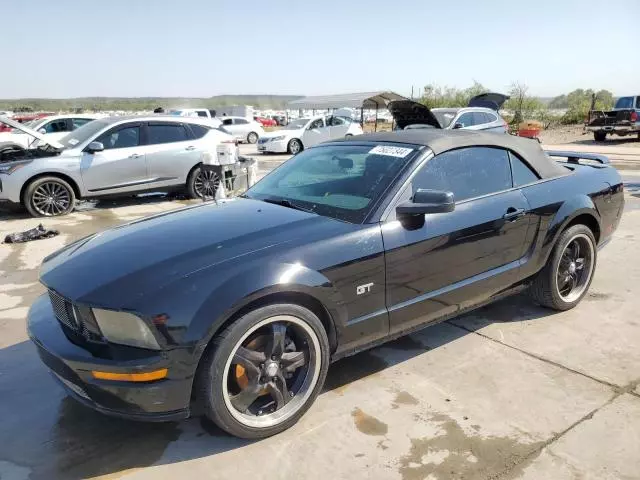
{"x": 457, "y": 126}
{"x": 42, "y": 131}
{"x": 427, "y": 201}
{"x": 94, "y": 147}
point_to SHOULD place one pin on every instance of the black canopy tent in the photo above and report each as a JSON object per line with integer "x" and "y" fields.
{"x": 362, "y": 100}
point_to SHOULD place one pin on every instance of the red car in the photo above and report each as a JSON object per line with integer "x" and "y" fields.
{"x": 266, "y": 122}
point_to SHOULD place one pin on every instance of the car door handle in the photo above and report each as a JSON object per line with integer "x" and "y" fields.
{"x": 135, "y": 155}
{"x": 190, "y": 147}
{"x": 514, "y": 213}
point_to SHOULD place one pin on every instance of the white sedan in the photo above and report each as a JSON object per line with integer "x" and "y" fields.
{"x": 53, "y": 127}
{"x": 242, "y": 129}
{"x": 307, "y": 132}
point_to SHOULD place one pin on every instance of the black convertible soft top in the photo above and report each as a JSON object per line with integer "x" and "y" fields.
{"x": 443, "y": 140}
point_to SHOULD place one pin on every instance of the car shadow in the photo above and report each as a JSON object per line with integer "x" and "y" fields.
{"x": 55, "y": 437}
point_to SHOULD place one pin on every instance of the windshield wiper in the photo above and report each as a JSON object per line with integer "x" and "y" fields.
{"x": 288, "y": 203}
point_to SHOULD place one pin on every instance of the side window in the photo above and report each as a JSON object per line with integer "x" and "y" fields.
{"x": 480, "y": 118}
{"x": 336, "y": 121}
{"x": 467, "y": 172}
{"x": 522, "y": 174}
{"x": 167, "y": 133}
{"x": 637, "y": 102}
{"x": 466, "y": 119}
{"x": 56, "y": 126}
{"x": 202, "y": 113}
{"x": 490, "y": 117}
{"x": 227, "y": 121}
{"x": 78, "y": 122}
{"x": 240, "y": 121}
{"x": 125, "y": 137}
{"x": 198, "y": 130}
{"x": 319, "y": 123}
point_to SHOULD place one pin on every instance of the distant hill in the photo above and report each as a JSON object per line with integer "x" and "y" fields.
{"x": 144, "y": 103}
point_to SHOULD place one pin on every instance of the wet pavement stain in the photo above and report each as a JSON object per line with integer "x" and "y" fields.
{"x": 455, "y": 454}
{"x": 405, "y": 398}
{"x": 367, "y": 424}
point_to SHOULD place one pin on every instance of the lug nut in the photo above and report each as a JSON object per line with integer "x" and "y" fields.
{"x": 291, "y": 394}
{"x": 273, "y": 357}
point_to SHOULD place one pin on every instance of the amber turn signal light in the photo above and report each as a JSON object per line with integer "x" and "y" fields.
{"x": 131, "y": 377}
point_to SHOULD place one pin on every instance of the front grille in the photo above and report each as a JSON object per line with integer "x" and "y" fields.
{"x": 63, "y": 311}
{"x": 75, "y": 319}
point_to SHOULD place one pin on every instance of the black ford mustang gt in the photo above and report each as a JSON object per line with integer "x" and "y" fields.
{"x": 243, "y": 305}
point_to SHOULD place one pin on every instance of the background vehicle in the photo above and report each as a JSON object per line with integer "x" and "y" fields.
{"x": 266, "y": 122}
{"x": 110, "y": 156}
{"x": 347, "y": 245}
{"x": 55, "y": 127}
{"x": 623, "y": 120}
{"x": 481, "y": 114}
{"x": 306, "y": 132}
{"x": 242, "y": 129}
{"x": 197, "y": 112}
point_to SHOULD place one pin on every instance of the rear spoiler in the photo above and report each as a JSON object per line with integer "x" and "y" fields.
{"x": 575, "y": 157}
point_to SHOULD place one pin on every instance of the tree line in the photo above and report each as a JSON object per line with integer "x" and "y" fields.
{"x": 523, "y": 106}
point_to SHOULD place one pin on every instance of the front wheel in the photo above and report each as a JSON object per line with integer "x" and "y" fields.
{"x": 599, "y": 136}
{"x": 566, "y": 277}
{"x": 294, "y": 147}
{"x": 263, "y": 372}
{"x": 49, "y": 197}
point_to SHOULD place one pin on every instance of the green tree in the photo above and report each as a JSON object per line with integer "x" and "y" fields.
{"x": 523, "y": 105}
{"x": 435, "y": 96}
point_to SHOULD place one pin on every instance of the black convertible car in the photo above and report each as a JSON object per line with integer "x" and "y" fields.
{"x": 243, "y": 305}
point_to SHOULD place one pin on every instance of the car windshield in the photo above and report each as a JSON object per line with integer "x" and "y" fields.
{"x": 624, "y": 102}
{"x": 82, "y": 134}
{"x": 338, "y": 181}
{"x": 445, "y": 117}
{"x": 296, "y": 124}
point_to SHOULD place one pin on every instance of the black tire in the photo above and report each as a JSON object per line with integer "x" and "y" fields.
{"x": 546, "y": 289}
{"x": 213, "y": 383}
{"x": 49, "y": 197}
{"x": 599, "y": 136}
{"x": 194, "y": 190}
{"x": 252, "y": 137}
{"x": 294, "y": 146}
{"x": 348, "y": 135}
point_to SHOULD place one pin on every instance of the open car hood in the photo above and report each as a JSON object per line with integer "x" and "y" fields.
{"x": 33, "y": 133}
{"x": 408, "y": 112}
{"x": 493, "y": 101}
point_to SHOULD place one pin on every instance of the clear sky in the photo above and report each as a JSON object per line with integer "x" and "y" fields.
{"x": 74, "y": 48}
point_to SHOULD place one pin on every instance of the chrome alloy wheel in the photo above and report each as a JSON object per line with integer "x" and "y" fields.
{"x": 51, "y": 199}
{"x": 575, "y": 268}
{"x": 271, "y": 372}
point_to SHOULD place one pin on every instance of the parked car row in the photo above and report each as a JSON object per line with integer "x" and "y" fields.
{"x": 107, "y": 157}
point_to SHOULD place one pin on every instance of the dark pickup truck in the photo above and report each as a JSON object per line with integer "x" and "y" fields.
{"x": 623, "y": 120}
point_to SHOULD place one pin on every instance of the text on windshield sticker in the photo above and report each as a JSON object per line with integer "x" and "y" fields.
{"x": 399, "y": 152}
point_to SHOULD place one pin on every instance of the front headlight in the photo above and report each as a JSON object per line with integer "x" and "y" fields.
{"x": 125, "y": 329}
{"x": 278, "y": 138}
{"x": 9, "y": 168}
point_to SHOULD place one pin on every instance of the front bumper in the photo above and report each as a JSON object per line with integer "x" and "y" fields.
{"x": 279, "y": 146}
{"x": 163, "y": 400}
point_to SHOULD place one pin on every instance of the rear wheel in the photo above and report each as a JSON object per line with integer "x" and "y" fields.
{"x": 49, "y": 197}
{"x": 564, "y": 281}
{"x": 202, "y": 183}
{"x": 294, "y": 147}
{"x": 599, "y": 136}
{"x": 252, "y": 137}
{"x": 263, "y": 372}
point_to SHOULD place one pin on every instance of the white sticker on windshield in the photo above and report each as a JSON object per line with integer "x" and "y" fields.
{"x": 73, "y": 142}
{"x": 399, "y": 152}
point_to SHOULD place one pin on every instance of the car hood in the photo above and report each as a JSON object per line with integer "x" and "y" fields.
{"x": 127, "y": 262}
{"x": 493, "y": 101}
{"x": 408, "y": 112}
{"x": 33, "y": 133}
